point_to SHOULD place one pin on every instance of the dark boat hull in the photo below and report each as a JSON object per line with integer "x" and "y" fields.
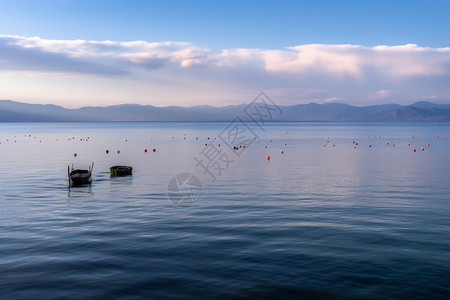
{"x": 118, "y": 171}
{"x": 80, "y": 177}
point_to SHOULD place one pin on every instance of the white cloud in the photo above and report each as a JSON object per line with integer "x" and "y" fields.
{"x": 334, "y": 99}
{"x": 119, "y": 55}
{"x": 334, "y": 60}
{"x": 381, "y": 94}
{"x": 354, "y": 60}
{"x": 315, "y": 72}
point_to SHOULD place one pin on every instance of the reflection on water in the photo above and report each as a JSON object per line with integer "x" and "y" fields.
{"x": 121, "y": 181}
{"x": 80, "y": 191}
{"x": 314, "y": 222}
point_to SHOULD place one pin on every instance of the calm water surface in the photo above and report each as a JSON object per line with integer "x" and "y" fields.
{"x": 315, "y": 222}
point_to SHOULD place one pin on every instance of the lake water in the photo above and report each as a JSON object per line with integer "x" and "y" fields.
{"x": 315, "y": 222}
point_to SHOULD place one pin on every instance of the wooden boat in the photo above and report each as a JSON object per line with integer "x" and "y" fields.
{"x": 120, "y": 171}
{"x": 80, "y": 176}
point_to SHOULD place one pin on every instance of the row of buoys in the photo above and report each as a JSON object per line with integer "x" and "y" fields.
{"x": 145, "y": 150}
{"x": 370, "y": 146}
{"x": 184, "y": 137}
{"x": 393, "y": 145}
{"x": 268, "y": 157}
{"x": 107, "y": 151}
{"x": 69, "y": 139}
{"x": 118, "y": 151}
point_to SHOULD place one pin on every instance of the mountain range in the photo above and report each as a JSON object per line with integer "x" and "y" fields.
{"x": 11, "y": 111}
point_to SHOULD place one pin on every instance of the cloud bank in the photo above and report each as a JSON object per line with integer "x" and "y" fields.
{"x": 315, "y": 72}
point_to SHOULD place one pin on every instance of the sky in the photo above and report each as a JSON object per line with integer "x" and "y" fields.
{"x": 77, "y": 53}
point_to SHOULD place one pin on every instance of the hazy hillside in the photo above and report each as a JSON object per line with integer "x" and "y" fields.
{"x": 11, "y": 111}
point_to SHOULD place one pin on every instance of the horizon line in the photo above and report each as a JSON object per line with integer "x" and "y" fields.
{"x": 208, "y": 105}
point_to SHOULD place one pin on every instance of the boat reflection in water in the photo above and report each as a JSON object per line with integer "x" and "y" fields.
{"x": 80, "y": 182}
{"x": 80, "y": 191}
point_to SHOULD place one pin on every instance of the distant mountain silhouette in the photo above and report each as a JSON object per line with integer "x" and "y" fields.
{"x": 11, "y": 111}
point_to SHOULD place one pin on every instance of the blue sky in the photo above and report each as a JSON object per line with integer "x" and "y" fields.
{"x": 223, "y": 52}
{"x": 232, "y": 24}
